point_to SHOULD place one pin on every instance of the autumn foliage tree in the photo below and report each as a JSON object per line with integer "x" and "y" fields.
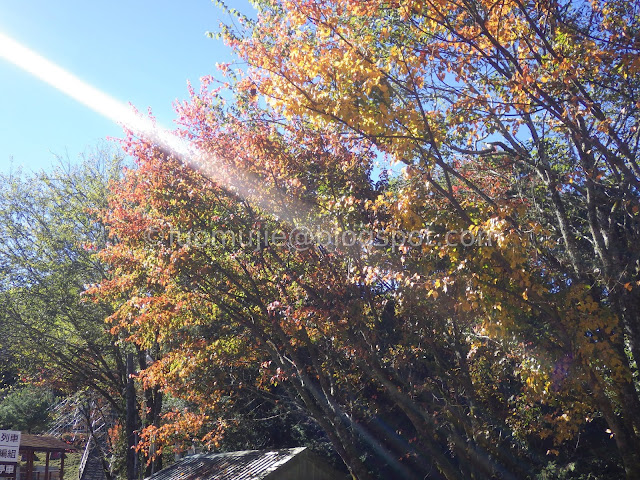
{"x": 515, "y": 122}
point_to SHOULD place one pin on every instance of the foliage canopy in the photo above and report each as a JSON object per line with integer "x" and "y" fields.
{"x": 514, "y": 120}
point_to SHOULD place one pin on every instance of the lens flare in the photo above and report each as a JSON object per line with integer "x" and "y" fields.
{"x": 241, "y": 183}
{"x": 77, "y": 89}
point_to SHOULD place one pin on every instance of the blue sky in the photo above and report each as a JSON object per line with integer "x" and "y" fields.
{"x": 138, "y": 51}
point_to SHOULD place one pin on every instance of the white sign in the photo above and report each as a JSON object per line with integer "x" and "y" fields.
{"x": 10, "y": 469}
{"x": 9, "y": 438}
{"x": 9, "y": 446}
{"x": 9, "y": 454}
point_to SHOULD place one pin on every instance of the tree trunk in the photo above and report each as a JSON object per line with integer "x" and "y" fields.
{"x": 130, "y": 430}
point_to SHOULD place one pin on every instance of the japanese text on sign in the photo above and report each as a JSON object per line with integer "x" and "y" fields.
{"x": 8, "y": 454}
{"x": 9, "y": 438}
{"x": 9, "y": 445}
{"x": 8, "y": 469}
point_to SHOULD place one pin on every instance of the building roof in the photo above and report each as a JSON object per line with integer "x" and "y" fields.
{"x": 43, "y": 443}
{"x": 243, "y": 465}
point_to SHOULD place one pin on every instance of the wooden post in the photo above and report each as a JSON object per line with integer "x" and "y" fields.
{"x": 62, "y": 466}
{"x": 46, "y": 467}
{"x": 30, "y": 455}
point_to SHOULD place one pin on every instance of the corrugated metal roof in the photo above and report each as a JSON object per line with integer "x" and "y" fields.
{"x": 244, "y": 465}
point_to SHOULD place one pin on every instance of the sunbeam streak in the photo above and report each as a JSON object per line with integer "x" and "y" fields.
{"x": 82, "y": 92}
{"x": 247, "y": 186}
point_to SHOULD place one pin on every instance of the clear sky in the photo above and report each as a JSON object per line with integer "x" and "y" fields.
{"x": 138, "y": 51}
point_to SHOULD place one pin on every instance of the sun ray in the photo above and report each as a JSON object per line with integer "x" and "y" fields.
{"x": 247, "y": 186}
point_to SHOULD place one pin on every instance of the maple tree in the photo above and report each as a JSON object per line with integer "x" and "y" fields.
{"x": 515, "y": 121}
